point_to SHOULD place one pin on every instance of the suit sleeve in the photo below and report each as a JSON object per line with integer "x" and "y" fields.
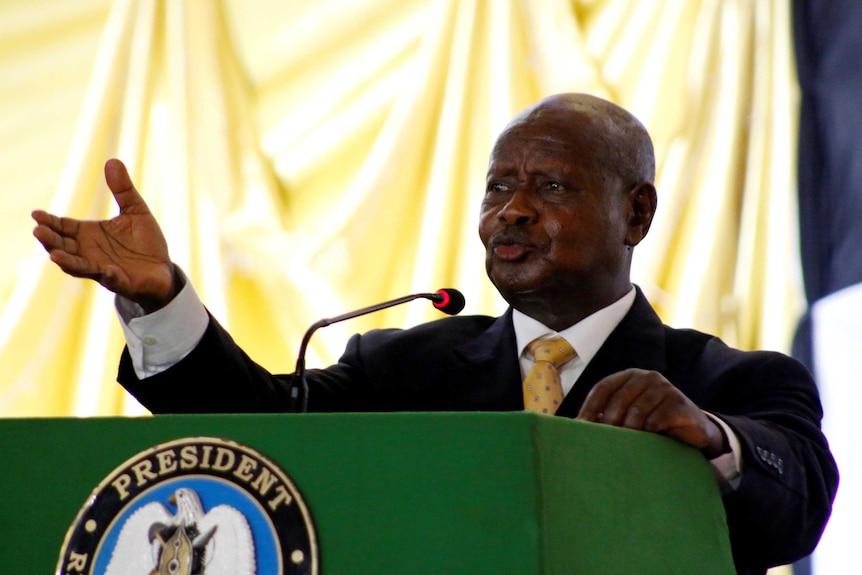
{"x": 219, "y": 377}
{"x": 789, "y": 478}
{"x": 215, "y": 377}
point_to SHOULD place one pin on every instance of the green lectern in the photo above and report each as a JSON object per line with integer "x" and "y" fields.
{"x": 390, "y": 494}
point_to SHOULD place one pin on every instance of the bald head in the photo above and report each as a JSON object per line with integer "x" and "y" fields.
{"x": 568, "y": 195}
{"x": 623, "y": 145}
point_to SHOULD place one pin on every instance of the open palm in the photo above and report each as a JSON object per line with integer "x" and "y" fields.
{"x": 127, "y": 254}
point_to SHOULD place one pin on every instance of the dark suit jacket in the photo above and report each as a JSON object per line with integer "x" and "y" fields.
{"x": 776, "y": 514}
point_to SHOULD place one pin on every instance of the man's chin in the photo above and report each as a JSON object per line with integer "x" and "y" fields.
{"x": 517, "y": 290}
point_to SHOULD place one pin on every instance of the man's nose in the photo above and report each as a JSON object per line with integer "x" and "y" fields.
{"x": 519, "y": 209}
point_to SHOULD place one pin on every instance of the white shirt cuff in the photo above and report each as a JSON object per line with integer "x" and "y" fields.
{"x": 159, "y": 340}
{"x": 728, "y": 466}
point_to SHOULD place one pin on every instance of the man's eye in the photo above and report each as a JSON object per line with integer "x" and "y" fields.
{"x": 496, "y": 187}
{"x": 554, "y": 186}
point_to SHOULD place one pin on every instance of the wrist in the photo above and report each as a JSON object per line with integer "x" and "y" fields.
{"x": 163, "y": 296}
{"x": 718, "y": 443}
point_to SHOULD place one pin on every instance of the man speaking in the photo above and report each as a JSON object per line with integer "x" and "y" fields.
{"x": 569, "y": 194}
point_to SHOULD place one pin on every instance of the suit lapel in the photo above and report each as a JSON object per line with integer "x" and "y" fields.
{"x": 638, "y": 341}
{"x": 489, "y": 375}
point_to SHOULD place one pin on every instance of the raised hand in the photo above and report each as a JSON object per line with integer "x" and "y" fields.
{"x": 127, "y": 254}
{"x": 647, "y": 401}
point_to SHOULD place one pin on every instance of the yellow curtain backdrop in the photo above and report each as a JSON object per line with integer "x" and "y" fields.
{"x": 308, "y": 158}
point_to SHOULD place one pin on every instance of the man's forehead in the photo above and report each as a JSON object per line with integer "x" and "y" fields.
{"x": 542, "y": 139}
{"x": 537, "y": 154}
{"x": 513, "y": 146}
{"x": 522, "y": 135}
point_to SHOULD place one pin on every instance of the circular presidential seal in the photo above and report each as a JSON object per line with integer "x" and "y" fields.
{"x": 193, "y": 506}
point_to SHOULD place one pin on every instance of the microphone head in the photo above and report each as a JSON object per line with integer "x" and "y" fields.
{"x": 449, "y": 301}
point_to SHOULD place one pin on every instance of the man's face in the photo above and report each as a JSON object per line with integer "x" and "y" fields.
{"x": 553, "y": 223}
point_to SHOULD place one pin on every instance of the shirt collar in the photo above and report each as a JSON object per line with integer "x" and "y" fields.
{"x": 586, "y": 336}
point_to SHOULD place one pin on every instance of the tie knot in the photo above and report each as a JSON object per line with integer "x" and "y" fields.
{"x": 555, "y": 350}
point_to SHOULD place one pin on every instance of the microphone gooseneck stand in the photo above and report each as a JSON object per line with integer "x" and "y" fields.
{"x": 449, "y": 301}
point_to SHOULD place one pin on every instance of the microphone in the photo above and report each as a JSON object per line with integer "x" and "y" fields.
{"x": 449, "y": 301}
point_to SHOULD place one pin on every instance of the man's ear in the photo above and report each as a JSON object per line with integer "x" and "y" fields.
{"x": 642, "y": 200}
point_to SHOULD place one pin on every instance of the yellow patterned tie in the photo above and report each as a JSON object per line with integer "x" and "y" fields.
{"x": 543, "y": 392}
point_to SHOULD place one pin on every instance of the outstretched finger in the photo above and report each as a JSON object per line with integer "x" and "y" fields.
{"x": 121, "y": 185}
{"x": 62, "y": 226}
{"x": 42, "y": 217}
{"x": 54, "y": 232}
{"x": 72, "y": 264}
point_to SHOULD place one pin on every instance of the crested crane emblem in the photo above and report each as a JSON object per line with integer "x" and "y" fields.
{"x": 196, "y": 506}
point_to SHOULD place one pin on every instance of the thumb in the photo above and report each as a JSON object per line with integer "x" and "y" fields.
{"x": 120, "y": 183}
